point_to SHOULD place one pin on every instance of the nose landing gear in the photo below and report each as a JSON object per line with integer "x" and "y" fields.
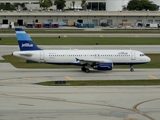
{"x": 131, "y": 68}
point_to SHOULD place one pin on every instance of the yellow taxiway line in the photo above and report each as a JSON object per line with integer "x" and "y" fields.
{"x": 68, "y": 78}
{"x": 153, "y": 77}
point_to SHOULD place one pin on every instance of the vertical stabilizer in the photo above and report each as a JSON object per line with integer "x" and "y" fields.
{"x": 24, "y": 41}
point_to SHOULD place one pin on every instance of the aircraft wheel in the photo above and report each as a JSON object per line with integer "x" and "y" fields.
{"x": 83, "y": 68}
{"x": 132, "y": 69}
{"x": 87, "y": 70}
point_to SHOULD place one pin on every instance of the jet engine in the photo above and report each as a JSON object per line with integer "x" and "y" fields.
{"x": 103, "y": 66}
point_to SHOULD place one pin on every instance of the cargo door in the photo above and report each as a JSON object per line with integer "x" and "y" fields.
{"x": 5, "y": 21}
{"x": 20, "y": 22}
{"x": 110, "y": 22}
{"x": 95, "y": 22}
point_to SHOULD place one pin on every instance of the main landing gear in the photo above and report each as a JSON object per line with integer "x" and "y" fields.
{"x": 131, "y": 68}
{"x": 85, "y": 69}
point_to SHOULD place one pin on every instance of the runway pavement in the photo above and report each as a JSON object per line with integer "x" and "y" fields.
{"x": 7, "y": 71}
{"x": 85, "y": 35}
{"x": 21, "y": 99}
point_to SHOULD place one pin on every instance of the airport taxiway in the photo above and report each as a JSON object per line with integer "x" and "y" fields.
{"x": 21, "y": 99}
{"x": 8, "y": 72}
{"x": 128, "y": 35}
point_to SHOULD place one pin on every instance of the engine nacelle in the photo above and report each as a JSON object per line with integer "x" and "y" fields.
{"x": 103, "y": 66}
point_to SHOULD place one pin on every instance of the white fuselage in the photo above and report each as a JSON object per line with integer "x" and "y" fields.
{"x": 70, "y": 56}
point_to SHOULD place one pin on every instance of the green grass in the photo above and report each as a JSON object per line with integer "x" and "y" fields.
{"x": 75, "y": 30}
{"x": 86, "y": 41}
{"x": 21, "y": 63}
{"x": 103, "y": 83}
{"x": 38, "y": 31}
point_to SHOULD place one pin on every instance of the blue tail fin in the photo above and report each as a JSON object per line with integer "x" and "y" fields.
{"x": 24, "y": 41}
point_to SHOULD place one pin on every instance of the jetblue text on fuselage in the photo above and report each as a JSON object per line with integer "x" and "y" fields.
{"x": 27, "y": 45}
{"x": 124, "y": 53}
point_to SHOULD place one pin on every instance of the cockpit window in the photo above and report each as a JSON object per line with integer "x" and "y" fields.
{"x": 142, "y": 55}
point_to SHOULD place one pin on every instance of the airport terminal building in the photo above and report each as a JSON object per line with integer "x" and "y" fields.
{"x": 113, "y": 18}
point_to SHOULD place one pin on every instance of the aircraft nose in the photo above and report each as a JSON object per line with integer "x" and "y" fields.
{"x": 148, "y": 59}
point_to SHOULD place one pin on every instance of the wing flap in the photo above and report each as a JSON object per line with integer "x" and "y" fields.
{"x": 91, "y": 61}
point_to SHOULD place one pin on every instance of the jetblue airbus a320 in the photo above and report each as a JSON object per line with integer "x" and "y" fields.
{"x": 96, "y": 59}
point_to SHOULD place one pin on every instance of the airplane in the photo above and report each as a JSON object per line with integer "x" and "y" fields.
{"x": 96, "y": 59}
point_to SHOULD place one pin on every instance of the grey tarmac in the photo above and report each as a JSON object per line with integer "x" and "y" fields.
{"x": 8, "y": 72}
{"x": 21, "y": 99}
{"x": 84, "y": 35}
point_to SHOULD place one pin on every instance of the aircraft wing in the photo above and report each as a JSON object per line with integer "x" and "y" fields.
{"x": 91, "y": 61}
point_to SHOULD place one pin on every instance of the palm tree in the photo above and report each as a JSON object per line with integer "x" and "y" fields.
{"x": 60, "y": 4}
{"x": 84, "y": 4}
{"x": 45, "y": 3}
{"x": 73, "y": 3}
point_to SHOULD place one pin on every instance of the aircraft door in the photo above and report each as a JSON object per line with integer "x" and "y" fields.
{"x": 133, "y": 55}
{"x": 41, "y": 56}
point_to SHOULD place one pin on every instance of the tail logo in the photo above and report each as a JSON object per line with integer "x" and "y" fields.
{"x": 27, "y": 45}
{"x": 24, "y": 41}
{"x": 77, "y": 60}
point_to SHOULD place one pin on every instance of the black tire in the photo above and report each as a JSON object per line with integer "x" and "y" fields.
{"x": 83, "y": 68}
{"x": 87, "y": 70}
{"x": 132, "y": 70}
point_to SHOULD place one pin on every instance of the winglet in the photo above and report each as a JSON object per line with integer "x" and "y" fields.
{"x": 24, "y": 41}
